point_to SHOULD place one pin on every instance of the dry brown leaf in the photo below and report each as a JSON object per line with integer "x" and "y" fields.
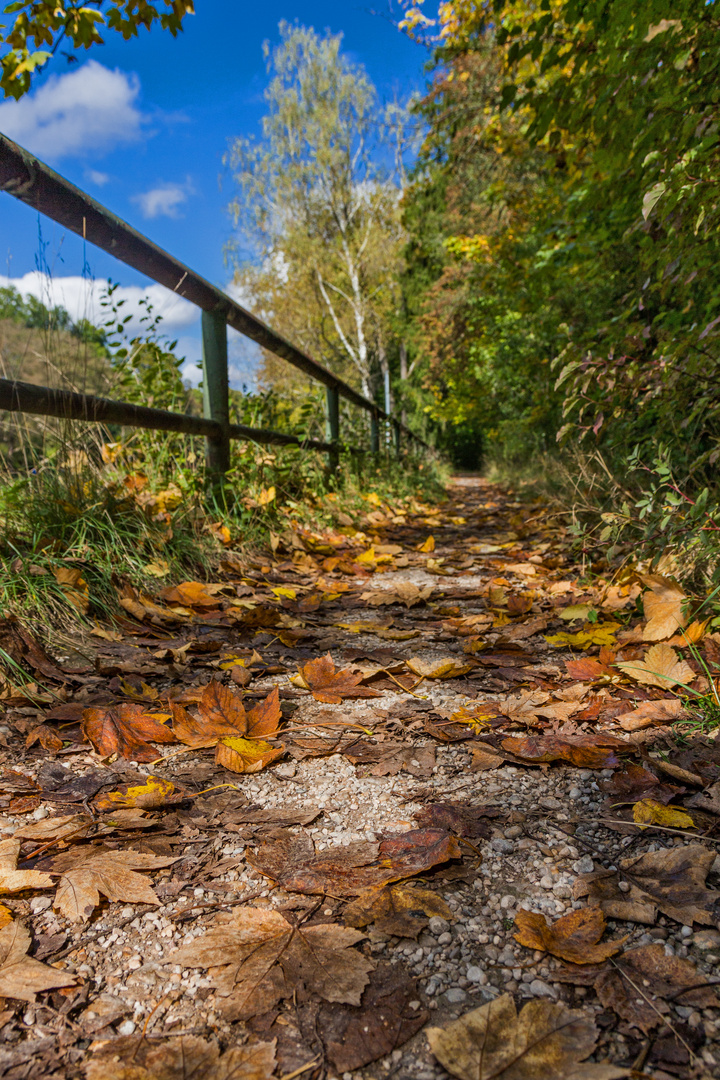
{"x": 671, "y": 880}
{"x": 75, "y": 587}
{"x": 148, "y": 796}
{"x": 13, "y": 880}
{"x": 661, "y": 666}
{"x": 396, "y": 909}
{"x": 125, "y": 730}
{"x": 184, "y": 1058}
{"x": 222, "y": 715}
{"x": 329, "y": 685}
{"x": 447, "y": 668}
{"x": 484, "y": 757}
{"x": 574, "y": 937}
{"x": 663, "y": 607}
{"x": 21, "y": 977}
{"x": 585, "y": 751}
{"x": 258, "y": 958}
{"x": 246, "y": 755}
{"x": 662, "y": 711}
{"x": 190, "y": 594}
{"x": 633, "y": 782}
{"x": 356, "y": 867}
{"x": 87, "y": 874}
{"x": 404, "y": 592}
{"x": 545, "y": 1041}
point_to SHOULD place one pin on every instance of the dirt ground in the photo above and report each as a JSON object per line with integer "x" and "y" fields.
{"x": 464, "y": 783}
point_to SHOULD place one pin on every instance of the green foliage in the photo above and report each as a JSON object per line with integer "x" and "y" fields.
{"x": 38, "y": 27}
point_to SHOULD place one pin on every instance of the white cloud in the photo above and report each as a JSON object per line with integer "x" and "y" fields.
{"x": 81, "y": 299}
{"x": 97, "y": 178}
{"x": 88, "y": 111}
{"x": 164, "y": 200}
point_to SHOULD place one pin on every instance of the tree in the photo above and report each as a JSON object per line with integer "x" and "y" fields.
{"x": 39, "y": 27}
{"x": 318, "y": 207}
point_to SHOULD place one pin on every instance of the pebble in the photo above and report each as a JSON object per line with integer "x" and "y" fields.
{"x": 706, "y": 939}
{"x": 476, "y": 974}
{"x": 548, "y": 802}
{"x": 575, "y": 793}
{"x": 40, "y": 903}
{"x": 584, "y": 865}
{"x": 126, "y": 1028}
{"x": 538, "y": 988}
{"x": 455, "y": 996}
{"x": 547, "y": 882}
{"x": 437, "y": 925}
{"x": 505, "y": 847}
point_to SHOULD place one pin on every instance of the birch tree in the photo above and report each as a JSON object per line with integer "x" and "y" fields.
{"x": 318, "y": 247}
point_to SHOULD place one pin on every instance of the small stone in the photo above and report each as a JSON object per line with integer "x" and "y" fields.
{"x": 624, "y": 886}
{"x": 659, "y": 933}
{"x": 686, "y": 931}
{"x": 287, "y": 771}
{"x": 538, "y": 988}
{"x": 550, "y": 803}
{"x": 445, "y": 938}
{"x": 546, "y": 882}
{"x": 476, "y": 974}
{"x": 414, "y": 1005}
{"x": 438, "y": 925}
{"x": 505, "y": 847}
{"x": 706, "y": 939}
{"x": 455, "y": 996}
{"x": 508, "y": 901}
{"x": 584, "y": 865}
{"x": 40, "y": 903}
{"x": 513, "y": 832}
{"x": 126, "y": 1028}
{"x": 575, "y": 793}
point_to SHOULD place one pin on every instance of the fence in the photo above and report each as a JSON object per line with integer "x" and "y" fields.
{"x": 30, "y": 180}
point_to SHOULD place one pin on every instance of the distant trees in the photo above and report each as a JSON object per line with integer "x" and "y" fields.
{"x": 317, "y": 206}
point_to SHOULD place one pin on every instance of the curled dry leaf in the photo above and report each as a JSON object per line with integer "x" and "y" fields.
{"x": 329, "y": 685}
{"x": 671, "y": 880}
{"x": 574, "y": 937}
{"x": 222, "y": 715}
{"x": 396, "y": 909}
{"x": 447, "y": 668}
{"x": 495, "y": 1043}
{"x": 661, "y": 666}
{"x": 88, "y": 873}
{"x": 22, "y": 977}
{"x": 13, "y": 880}
{"x": 125, "y": 730}
{"x": 354, "y": 868}
{"x": 183, "y": 1058}
{"x": 585, "y": 751}
{"x": 258, "y": 958}
{"x": 75, "y": 587}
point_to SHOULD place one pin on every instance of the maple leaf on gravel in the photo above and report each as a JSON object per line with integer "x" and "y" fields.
{"x": 259, "y": 958}
{"x": 125, "y": 730}
{"x": 495, "y": 1043}
{"x": 396, "y": 909}
{"x": 329, "y": 685}
{"x": 671, "y": 880}
{"x": 22, "y": 977}
{"x": 183, "y": 1058}
{"x": 585, "y": 751}
{"x": 574, "y": 937}
{"x": 13, "y": 880}
{"x": 221, "y": 715}
{"x": 661, "y": 666}
{"x": 88, "y": 872}
{"x": 349, "y": 870}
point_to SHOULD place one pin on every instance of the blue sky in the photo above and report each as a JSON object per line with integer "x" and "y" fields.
{"x": 143, "y": 125}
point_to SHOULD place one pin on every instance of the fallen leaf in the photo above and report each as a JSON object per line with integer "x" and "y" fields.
{"x": 13, "y": 880}
{"x": 591, "y": 669}
{"x": 259, "y": 958}
{"x": 87, "y": 874}
{"x": 447, "y": 668}
{"x": 356, "y": 867}
{"x": 574, "y": 937}
{"x": 661, "y": 666}
{"x": 636, "y": 986}
{"x": 660, "y": 711}
{"x": 427, "y": 545}
{"x": 495, "y": 1043}
{"x": 396, "y": 909}
{"x": 6, "y": 916}
{"x": 153, "y": 793}
{"x": 329, "y": 685}
{"x": 75, "y": 587}
{"x": 585, "y": 751}
{"x": 21, "y": 977}
{"x": 633, "y": 782}
{"x": 189, "y": 594}
{"x": 126, "y": 730}
{"x": 354, "y": 1037}
{"x": 404, "y": 592}
{"x": 222, "y": 714}
{"x": 246, "y": 755}
{"x": 462, "y": 819}
{"x": 671, "y": 880}
{"x": 183, "y": 1058}
{"x": 594, "y": 634}
{"x": 19, "y": 644}
{"x": 484, "y": 757}
{"x": 575, "y": 612}
{"x": 663, "y": 607}
{"x": 649, "y": 812}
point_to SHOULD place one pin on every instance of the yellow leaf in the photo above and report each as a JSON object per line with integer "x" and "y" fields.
{"x": 266, "y": 496}
{"x": 649, "y": 812}
{"x": 661, "y": 666}
{"x": 6, "y": 916}
{"x": 157, "y": 568}
{"x": 575, "y": 611}
{"x": 367, "y": 557}
{"x": 74, "y": 586}
{"x": 246, "y": 755}
{"x": 152, "y": 793}
{"x": 428, "y": 545}
{"x": 601, "y": 634}
{"x": 283, "y": 590}
{"x": 447, "y": 668}
{"x": 663, "y": 607}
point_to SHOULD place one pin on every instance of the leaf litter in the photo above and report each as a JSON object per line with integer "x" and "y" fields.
{"x": 289, "y": 848}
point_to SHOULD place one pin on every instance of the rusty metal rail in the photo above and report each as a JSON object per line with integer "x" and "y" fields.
{"x": 34, "y": 183}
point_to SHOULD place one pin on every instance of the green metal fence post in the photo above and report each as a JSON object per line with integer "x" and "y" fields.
{"x": 215, "y": 390}
{"x": 374, "y": 433}
{"x": 333, "y": 427}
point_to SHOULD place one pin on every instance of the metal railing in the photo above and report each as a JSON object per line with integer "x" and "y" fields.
{"x": 34, "y": 183}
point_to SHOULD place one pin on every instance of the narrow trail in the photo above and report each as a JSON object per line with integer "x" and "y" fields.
{"x": 287, "y": 821}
